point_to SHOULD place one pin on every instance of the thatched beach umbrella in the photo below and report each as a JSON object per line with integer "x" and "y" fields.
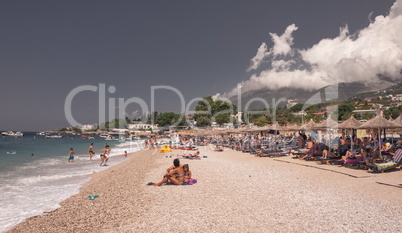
{"x": 327, "y": 124}
{"x": 309, "y": 125}
{"x": 379, "y": 123}
{"x": 294, "y": 127}
{"x": 398, "y": 120}
{"x": 350, "y": 123}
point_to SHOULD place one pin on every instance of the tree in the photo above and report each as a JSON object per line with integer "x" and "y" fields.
{"x": 345, "y": 110}
{"x": 217, "y": 110}
{"x": 166, "y": 119}
{"x": 203, "y": 121}
{"x": 296, "y": 107}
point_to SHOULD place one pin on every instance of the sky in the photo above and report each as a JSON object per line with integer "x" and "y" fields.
{"x": 50, "y": 48}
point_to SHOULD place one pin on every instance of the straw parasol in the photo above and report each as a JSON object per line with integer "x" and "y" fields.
{"x": 398, "y": 120}
{"x": 327, "y": 124}
{"x": 309, "y": 125}
{"x": 379, "y": 123}
{"x": 294, "y": 127}
{"x": 350, "y": 123}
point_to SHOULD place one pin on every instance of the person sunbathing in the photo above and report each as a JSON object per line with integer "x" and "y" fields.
{"x": 329, "y": 154}
{"x": 355, "y": 154}
{"x": 174, "y": 174}
{"x": 191, "y": 156}
{"x": 218, "y": 148}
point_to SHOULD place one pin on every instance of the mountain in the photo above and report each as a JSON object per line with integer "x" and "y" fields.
{"x": 343, "y": 91}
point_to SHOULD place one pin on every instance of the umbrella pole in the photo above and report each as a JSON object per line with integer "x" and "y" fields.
{"x": 351, "y": 141}
{"x": 379, "y": 142}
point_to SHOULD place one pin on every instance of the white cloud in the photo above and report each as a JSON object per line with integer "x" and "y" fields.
{"x": 261, "y": 54}
{"x": 283, "y": 44}
{"x": 372, "y": 51}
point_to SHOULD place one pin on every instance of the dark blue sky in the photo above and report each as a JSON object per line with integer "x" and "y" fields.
{"x": 48, "y": 48}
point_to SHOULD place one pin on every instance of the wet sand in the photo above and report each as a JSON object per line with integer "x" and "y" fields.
{"x": 235, "y": 192}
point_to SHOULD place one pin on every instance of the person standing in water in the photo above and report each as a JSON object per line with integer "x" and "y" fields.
{"x": 91, "y": 151}
{"x": 105, "y": 155}
{"x": 125, "y": 153}
{"x": 71, "y": 155}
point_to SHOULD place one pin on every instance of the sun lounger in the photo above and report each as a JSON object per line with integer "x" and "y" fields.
{"x": 326, "y": 161}
{"x": 394, "y": 163}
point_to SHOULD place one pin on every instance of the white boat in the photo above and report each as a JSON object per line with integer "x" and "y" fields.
{"x": 103, "y": 135}
{"x": 41, "y": 133}
{"x": 13, "y": 134}
{"x": 53, "y": 136}
{"x": 110, "y": 138}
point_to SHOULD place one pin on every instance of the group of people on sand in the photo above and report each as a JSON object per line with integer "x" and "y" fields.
{"x": 176, "y": 174}
{"x": 363, "y": 149}
{"x": 104, "y": 154}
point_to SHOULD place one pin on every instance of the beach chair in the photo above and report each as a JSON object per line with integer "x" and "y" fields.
{"x": 394, "y": 163}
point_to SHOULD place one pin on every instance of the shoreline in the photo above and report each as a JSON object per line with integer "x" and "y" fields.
{"x": 84, "y": 213}
{"x": 235, "y": 192}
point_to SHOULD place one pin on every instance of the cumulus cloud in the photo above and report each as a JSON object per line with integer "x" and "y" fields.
{"x": 362, "y": 56}
{"x": 261, "y": 54}
{"x": 282, "y": 46}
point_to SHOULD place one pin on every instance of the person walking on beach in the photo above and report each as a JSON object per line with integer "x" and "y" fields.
{"x": 91, "y": 151}
{"x": 71, "y": 155}
{"x": 104, "y": 155}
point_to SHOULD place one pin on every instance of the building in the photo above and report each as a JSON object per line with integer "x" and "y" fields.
{"x": 87, "y": 127}
{"x": 238, "y": 117}
{"x": 291, "y": 103}
{"x": 141, "y": 126}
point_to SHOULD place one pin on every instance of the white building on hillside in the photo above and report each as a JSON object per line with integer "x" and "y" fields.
{"x": 87, "y": 127}
{"x": 141, "y": 126}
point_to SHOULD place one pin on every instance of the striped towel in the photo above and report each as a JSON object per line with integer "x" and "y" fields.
{"x": 398, "y": 156}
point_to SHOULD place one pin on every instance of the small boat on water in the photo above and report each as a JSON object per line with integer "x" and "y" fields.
{"x": 111, "y": 138}
{"x": 41, "y": 133}
{"x": 87, "y": 137}
{"x": 53, "y": 136}
{"x": 13, "y": 134}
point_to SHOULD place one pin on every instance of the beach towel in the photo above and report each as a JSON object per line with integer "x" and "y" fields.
{"x": 353, "y": 160}
{"x": 395, "y": 162}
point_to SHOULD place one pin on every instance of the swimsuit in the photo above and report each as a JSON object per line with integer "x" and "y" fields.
{"x": 71, "y": 157}
{"x": 91, "y": 152}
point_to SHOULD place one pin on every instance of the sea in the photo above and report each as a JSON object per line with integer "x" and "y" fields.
{"x": 31, "y": 185}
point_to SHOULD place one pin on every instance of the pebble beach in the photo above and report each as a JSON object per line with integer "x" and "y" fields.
{"x": 235, "y": 192}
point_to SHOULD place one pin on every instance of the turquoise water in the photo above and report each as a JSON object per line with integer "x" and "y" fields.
{"x": 31, "y": 185}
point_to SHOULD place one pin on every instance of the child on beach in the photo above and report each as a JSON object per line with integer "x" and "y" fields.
{"x": 125, "y": 153}
{"x": 71, "y": 155}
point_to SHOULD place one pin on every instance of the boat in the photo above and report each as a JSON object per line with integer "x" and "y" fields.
{"x": 53, "y": 136}
{"x": 13, "y": 134}
{"x": 110, "y": 138}
{"x": 103, "y": 135}
{"x": 41, "y": 133}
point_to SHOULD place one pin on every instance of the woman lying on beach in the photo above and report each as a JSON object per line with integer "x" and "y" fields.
{"x": 191, "y": 156}
{"x": 174, "y": 174}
